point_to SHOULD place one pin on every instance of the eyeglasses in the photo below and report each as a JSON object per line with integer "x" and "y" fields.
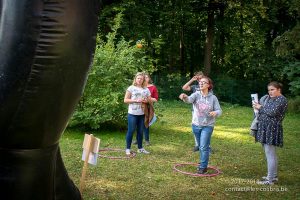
{"x": 203, "y": 82}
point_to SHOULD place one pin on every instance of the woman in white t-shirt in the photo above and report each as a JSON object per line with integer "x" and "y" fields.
{"x": 135, "y": 96}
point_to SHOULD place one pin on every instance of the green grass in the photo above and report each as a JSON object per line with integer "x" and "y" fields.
{"x": 240, "y": 159}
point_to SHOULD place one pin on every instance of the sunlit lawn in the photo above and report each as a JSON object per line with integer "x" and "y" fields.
{"x": 152, "y": 176}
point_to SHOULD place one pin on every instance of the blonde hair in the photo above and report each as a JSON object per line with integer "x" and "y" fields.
{"x": 139, "y": 74}
{"x": 199, "y": 73}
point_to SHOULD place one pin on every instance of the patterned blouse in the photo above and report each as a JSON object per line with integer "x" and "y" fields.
{"x": 270, "y": 121}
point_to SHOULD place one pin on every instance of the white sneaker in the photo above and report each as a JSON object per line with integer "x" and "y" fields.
{"x": 127, "y": 151}
{"x": 143, "y": 151}
{"x": 265, "y": 182}
{"x": 265, "y": 178}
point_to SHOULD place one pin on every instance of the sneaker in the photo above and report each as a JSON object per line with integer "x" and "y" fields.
{"x": 265, "y": 178}
{"x": 143, "y": 151}
{"x": 196, "y": 148}
{"x": 127, "y": 151}
{"x": 265, "y": 182}
{"x": 202, "y": 171}
{"x": 147, "y": 143}
{"x": 134, "y": 142}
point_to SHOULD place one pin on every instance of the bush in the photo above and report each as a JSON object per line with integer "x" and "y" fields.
{"x": 238, "y": 91}
{"x": 169, "y": 85}
{"x": 294, "y": 105}
{"x": 113, "y": 70}
{"x": 292, "y": 71}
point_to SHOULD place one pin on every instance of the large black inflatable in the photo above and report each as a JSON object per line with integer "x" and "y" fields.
{"x": 46, "y": 49}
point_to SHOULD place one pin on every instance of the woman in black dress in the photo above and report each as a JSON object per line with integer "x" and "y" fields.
{"x": 270, "y": 132}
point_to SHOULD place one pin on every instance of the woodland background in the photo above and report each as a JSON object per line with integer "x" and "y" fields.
{"x": 241, "y": 45}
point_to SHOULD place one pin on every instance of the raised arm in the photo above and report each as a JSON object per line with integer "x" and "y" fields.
{"x": 187, "y": 86}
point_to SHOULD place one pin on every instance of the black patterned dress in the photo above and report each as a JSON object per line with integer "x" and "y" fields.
{"x": 270, "y": 121}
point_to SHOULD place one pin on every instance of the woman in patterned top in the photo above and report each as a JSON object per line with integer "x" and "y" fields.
{"x": 270, "y": 132}
{"x": 135, "y": 95}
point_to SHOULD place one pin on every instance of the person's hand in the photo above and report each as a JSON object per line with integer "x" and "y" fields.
{"x": 146, "y": 100}
{"x": 256, "y": 105}
{"x": 138, "y": 100}
{"x": 195, "y": 78}
{"x": 182, "y": 96}
{"x": 213, "y": 113}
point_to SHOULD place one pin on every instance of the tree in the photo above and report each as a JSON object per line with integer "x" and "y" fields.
{"x": 288, "y": 46}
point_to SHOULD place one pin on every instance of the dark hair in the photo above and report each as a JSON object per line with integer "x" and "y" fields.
{"x": 276, "y": 84}
{"x": 210, "y": 82}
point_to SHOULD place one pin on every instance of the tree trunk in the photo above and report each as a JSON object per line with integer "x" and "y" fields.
{"x": 222, "y": 39}
{"x": 181, "y": 46}
{"x": 209, "y": 42}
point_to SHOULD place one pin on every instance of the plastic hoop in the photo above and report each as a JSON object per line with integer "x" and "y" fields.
{"x": 132, "y": 154}
{"x": 217, "y": 171}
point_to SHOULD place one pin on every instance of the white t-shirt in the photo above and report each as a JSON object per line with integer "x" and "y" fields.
{"x": 137, "y": 93}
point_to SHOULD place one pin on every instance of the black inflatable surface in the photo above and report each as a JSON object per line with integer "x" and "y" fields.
{"x": 46, "y": 49}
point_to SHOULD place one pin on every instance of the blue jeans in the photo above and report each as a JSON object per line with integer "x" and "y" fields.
{"x": 135, "y": 122}
{"x": 146, "y": 133}
{"x": 203, "y": 136}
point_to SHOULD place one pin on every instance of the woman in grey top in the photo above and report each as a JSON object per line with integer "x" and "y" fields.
{"x": 206, "y": 108}
{"x": 190, "y": 86}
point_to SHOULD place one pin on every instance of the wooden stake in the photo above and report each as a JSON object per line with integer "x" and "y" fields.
{"x": 90, "y": 147}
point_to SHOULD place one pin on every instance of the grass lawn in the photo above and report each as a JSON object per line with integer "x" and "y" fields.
{"x": 235, "y": 153}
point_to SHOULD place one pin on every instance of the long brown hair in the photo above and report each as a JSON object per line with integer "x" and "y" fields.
{"x": 150, "y": 79}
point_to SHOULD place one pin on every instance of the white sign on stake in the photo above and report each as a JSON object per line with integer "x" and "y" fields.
{"x": 90, "y": 154}
{"x": 91, "y": 144}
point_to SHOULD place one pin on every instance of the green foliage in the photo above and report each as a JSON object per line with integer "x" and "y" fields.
{"x": 115, "y": 64}
{"x": 288, "y": 44}
{"x": 236, "y": 91}
{"x": 247, "y": 54}
{"x": 170, "y": 85}
{"x": 244, "y": 59}
{"x": 244, "y": 32}
{"x": 292, "y": 71}
{"x": 294, "y": 105}
{"x": 226, "y": 88}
